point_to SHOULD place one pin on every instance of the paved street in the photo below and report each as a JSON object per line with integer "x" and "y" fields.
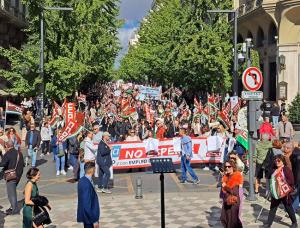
{"x": 186, "y": 205}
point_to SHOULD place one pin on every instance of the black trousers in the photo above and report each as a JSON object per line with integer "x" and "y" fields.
{"x": 287, "y": 205}
{"x": 45, "y": 147}
{"x": 104, "y": 175}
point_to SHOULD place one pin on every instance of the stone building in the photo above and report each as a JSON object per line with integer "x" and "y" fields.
{"x": 274, "y": 26}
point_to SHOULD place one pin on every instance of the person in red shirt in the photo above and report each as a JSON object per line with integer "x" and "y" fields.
{"x": 266, "y": 128}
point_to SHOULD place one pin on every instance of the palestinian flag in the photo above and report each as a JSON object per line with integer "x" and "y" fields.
{"x": 242, "y": 138}
{"x": 224, "y": 115}
{"x": 279, "y": 187}
{"x": 13, "y": 109}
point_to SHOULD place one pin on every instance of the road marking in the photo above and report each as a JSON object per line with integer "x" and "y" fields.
{"x": 175, "y": 179}
{"x": 129, "y": 185}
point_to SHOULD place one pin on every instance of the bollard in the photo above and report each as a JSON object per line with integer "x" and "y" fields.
{"x": 139, "y": 192}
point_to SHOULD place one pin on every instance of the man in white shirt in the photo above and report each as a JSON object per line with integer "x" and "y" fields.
{"x": 90, "y": 148}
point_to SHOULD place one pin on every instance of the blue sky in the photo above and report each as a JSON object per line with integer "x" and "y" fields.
{"x": 132, "y": 12}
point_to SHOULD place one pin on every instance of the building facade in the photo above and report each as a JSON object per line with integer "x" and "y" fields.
{"x": 12, "y": 22}
{"x": 274, "y": 26}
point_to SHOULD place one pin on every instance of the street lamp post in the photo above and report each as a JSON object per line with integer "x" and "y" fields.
{"x": 235, "y": 63}
{"x": 42, "y": 74}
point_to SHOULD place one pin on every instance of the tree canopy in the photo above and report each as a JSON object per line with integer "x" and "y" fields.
{"x": 182, "y": 44}
{"x": 80, "y": 47}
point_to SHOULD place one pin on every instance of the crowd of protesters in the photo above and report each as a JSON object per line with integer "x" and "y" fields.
{"x": 120, "y": 113}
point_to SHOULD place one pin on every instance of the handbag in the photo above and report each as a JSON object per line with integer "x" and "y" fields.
{"x": 279, "y": 187}
{"x": 11, "y": 174}
{"x": 231, "y": 199}
{"x": 41, "y": 216}
{"x": 61, "y": 153}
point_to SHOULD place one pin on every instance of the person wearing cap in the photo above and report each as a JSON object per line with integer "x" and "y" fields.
{"x": 104, "y": 162}
{"x": 186, "y": 156}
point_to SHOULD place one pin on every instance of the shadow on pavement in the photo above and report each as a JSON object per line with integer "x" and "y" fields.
{"x": 265, "y": 212}
{"x": 40, "y": 162}
{"x": 213, "y": 216}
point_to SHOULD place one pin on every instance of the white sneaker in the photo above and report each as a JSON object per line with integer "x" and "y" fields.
{"x": 57, "y": 173}
{"x": 206, "y": 168}
{"x": 70, "y": 167}
{"x": 42, "y": 155}
{"x": 63, "y": 172}
{"x": 217, "y": 168}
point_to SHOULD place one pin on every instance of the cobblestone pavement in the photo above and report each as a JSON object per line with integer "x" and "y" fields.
{"x": 182, "y": 210}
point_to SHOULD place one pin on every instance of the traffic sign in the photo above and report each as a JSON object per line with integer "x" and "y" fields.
{"x": 252, "y": 79}
{"x": 250, "y": 95}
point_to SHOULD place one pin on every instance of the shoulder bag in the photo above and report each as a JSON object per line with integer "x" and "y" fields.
{"x": 11, "y": 174}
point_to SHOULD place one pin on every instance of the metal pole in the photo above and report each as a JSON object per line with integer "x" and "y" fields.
{"x": 235, "y": 69}
{"x": 42, "y": 86}
{"x": 162, "y": 200}
{"x": 251, "y": 129}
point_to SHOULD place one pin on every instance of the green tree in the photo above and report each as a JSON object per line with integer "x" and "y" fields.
{"x": 181, "y": 44}
{"x": 80, "y": 47}
{"x": 294, "y": 110}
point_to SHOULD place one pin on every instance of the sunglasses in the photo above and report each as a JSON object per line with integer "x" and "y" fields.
{"x": 278, "y": 160}
{"x": 132, "y": 132}
{"x": 229, "y": 166}
{"x": 232, "y": 158}
{"x": 95, "y": 129}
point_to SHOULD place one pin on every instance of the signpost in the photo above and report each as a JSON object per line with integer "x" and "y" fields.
{"x": 249, "y": 95}
{"x": 252, "y": 80}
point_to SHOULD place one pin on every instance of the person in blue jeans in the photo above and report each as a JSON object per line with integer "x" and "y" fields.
{"x": 186, "y": 156}
{"x": 59, "y": 149}
{"x": 32, "y": 142}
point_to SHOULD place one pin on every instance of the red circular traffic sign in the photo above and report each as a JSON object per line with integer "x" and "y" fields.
{"x": 252, "y": 79}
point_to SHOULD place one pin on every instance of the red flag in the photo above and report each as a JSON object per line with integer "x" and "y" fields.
{"x": 237, "y": 107}
{"x": 198, "y": 105}
{"x": 224, "y": 115}
{"x": 13, "y": 109}
{"x": 55, "y": 115}
{"x": 81, "y": 98}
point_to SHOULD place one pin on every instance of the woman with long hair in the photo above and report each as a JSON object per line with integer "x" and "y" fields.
{"x": 281, "y": 186}
{"x": 59, "y": 150}
{"x": 231, "y": 182}
{"x": 13, "y": 136}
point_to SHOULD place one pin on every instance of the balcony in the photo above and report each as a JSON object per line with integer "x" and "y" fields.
{"x": 249, "y": 6}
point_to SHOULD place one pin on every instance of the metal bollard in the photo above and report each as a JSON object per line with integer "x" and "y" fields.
{"x": 139, "y": 192}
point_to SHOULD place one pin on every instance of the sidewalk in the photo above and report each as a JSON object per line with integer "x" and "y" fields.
{"x": 186, "y": 210}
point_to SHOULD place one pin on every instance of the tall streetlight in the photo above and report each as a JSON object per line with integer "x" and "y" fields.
{"x": 235, "y": 63}
{"x": 42, "y": 75}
